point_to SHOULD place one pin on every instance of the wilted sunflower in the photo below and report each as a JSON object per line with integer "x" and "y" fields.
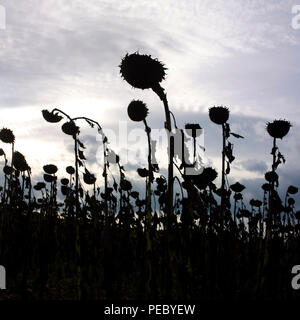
{"x": 278, "y": 128}
{"x": 137, "y": 110}
{"x": 292, "y": 190}
{"x": 7, "y": 136}
{"x": 125, "y": 185}
{"x": 271, "y": 176}
{"x": 51, "y": 116}
{"x": 219, "y": 115}
{"x": 89, "y": 178}
{"x": 255, "y": 203}
{"x": 266, "y": 187}
{"x": 143, "y": 172}
{"x": 50, "y": 168}
{"x": 39, "y": 186}
{"x": 8, "y": 170}
{"x": 70, "y": 128}
{"x": 237, "y": 187}
{"x": 207, "y": 176}
{"x": 64, "y": 181}
{"x": 193, "y": 129}
{"x": 49, "y": 178}
{"x": 70, "y": 170}
{"x": 141, "y": 71}
{"x": 19, "y": 161}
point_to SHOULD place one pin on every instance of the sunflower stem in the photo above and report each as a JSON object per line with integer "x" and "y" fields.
{"x": 223, "y": 174}
{"x": 162, "y": 95}
{"x": 76, "y": 175}
{"x": 148, "y": 180}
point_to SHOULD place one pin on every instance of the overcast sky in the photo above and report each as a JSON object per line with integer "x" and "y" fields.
{"x": 243, "y": 54}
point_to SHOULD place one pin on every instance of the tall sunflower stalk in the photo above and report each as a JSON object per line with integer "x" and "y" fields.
{"x": 144, "y": 72}
{"x": 277, "y": 130}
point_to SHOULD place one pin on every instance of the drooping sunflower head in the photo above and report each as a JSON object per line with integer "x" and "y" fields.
{"x": 50, "y": 168}
{"x": 70, "y": 170}
{"x": 70, "y": 128}
{"x": 219, "y": 115}
{"x": 89, "y": 178}
{"x": 52, "y": 117}
{"x": 237, "y": 187}
{"x": 278, "y": 128}
{"x": 271, "y": 176}
{"x": 137, "y": 110}
{"x": 142, "y": 71}
{"x": 19, "y": 161}
{"x": 7, "y": 136}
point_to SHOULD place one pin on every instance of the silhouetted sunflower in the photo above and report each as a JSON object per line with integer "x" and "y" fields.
{"x": 193, "y": 129}
{"x": 255, "y": 203}
{"x": 50, "y": 168}
{"x": 271, "y": 176}
{"x": 209, "y": 173}
{"x": 70, "y": 128}
{"x": 39, "y": 186}
{"x": 7, "y": 136}
{"x": 278, "y": 128}
{"x": 89, "y": 178}
{"x": 70, "y": 170}
{"x": 137, "y": 110}
{"x": 19, "y": 161}
{"x": 207, "y": 176}
{"x": 64, "y": 190}
{"x": 237, "y": 187}
{"x": 8, "y": 170}
{"x": 266, "y": 187}
{"x": 49, "y": 178}
{"x": 125, "y": 185}
{"x": 292, "y": 190}
{"x": 51, "y": 117}
{"x": 2, "y": 152}
{"x": 64, "y": 181}
{"x": 219, "y": 115}
{"x": 142, "y": 172}
{"x": 142, "y": 71}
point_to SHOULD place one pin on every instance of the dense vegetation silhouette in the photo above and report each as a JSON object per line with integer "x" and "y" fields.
{"x": 72, "y": 239}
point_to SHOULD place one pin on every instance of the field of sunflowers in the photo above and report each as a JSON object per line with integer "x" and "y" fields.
{"x": 62, "y": 241}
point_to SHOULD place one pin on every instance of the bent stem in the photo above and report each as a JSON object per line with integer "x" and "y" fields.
{"x": 163, "y": 97}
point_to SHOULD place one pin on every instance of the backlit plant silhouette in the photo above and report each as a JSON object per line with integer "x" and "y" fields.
{"x": 62, "y": 237}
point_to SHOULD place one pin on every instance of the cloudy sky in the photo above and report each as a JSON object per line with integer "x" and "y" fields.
{"x": 239, "y": 53}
